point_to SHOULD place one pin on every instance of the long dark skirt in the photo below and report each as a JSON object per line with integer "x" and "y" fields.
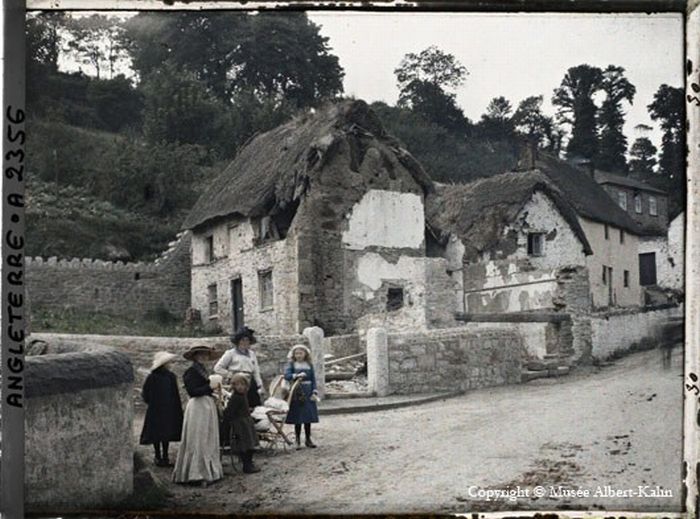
{"x": 253, "y": 395}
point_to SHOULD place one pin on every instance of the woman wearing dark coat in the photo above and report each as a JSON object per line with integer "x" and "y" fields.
{"x": 239, "y": 424}
{"x": 198, "y": 458}
{"x": 163, "y": 422}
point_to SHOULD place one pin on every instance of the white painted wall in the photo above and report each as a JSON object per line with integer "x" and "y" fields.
{"x": 618, "y": 332}
{"x": 619, "y": 256}
{"x": 670, "y": 250}
{"x": 386, "y": 219}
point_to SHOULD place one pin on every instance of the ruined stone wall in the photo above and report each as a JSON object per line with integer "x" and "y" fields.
{"x": 237, "y": 255}
{"x": 271, "y": 351}
{"x": 343, "y": 345}
{"x": 510, "y": 280}
{"x": 621, "y": 256}
{"x": 129, "y": 290}
{"x": 78, "y": 429}
{"x": 453, "y": 359}
{"x": 621, "y": 329}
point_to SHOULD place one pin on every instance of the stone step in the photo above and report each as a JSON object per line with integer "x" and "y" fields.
{"x": 339, "y": 375}
{"x": 557, "y": 371}
{"x": 336, "y": 395}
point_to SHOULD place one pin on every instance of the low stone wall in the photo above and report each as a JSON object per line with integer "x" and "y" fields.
{"x": 78, "y": 428}
{"x": 271, "y": 351}
{"x": 452, "y": 359}
{"x": 620, "y": 330}
{"x": 121, "y": 289}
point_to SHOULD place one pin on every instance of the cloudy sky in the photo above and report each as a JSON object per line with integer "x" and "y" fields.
{"x": 516, "y": 55}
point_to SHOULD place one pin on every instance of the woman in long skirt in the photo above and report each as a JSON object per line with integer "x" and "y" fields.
{"x": 198, "y": 459}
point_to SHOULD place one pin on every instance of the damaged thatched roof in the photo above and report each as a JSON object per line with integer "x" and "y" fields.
{"x": 589, "y": 199}
{"x": 478, "y": 212}
{"x": 276, "y": 167}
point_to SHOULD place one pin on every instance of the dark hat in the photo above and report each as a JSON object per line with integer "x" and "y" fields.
{"x": 242, "y": 332}
{"x": 189, "y": 354}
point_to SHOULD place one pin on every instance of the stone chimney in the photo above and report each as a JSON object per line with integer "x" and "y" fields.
{"x": 527, "y": 156}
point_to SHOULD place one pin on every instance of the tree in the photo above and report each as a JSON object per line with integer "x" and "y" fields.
{"x": 497, "y": 122}
{"x": 642, "y": 158}
{"x": 422, "y": 79}
{"x": 96, "y": 41}
{"x": 178, "y": 108}
{"x": 668, "y": 107}
{"x": 116, "y": 102}
{"x": 611, "y": 119}
{"x": 270, "y": 54}
{"x": 45, "y": 37}
{"x": 574, "y": 99}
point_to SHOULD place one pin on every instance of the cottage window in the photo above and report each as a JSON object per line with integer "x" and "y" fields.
{"x": 607, "y": 232}
{"x": 394, "y": 299}
{"x": 622, "y": 199}
{"x": 209, "y": 249}
{"x": 626, "y": 277}
{"x": 267, "y": 229}
{"x": 605, "y": 275}
{"x": 622, "y": 236}
{"x": 535, "y": 244}
{"x": 213, "y": 301}
{"x": 652, "y": 206}
{"x": 638, "y": 204}
{"x": 233, "y": 238}
{"x": 266, "y": 293}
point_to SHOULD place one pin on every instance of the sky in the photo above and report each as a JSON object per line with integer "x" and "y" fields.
{"x": 511, "y": 55}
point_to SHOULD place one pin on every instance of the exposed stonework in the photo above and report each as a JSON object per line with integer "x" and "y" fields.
{"x": 453, "y": 359}
{"x": 121, "y": 289}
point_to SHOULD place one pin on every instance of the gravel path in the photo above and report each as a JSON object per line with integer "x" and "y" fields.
{"x": 618, "y": 426}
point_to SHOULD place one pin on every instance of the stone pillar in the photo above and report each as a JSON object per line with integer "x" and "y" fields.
{"x": 377, "y": 361}
{"x": 315, "y": 337}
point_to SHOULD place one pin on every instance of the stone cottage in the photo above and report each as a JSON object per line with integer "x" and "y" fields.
{"x": 538, "y": 239}
{"x": 319, "y": 222}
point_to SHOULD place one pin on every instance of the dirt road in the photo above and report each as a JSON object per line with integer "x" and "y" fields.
{"x": 618, "y": 426}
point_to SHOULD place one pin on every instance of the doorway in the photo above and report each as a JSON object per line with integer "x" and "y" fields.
{"x": 647, "y": 269}
{"x": 237, "y": 303}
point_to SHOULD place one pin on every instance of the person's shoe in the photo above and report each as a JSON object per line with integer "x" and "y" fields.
{"x": 204, "y": 483}
{"x": 298, "y": 444}
{"x": 168, "y": 463}
{"x": 310, "y": 444}
{"x": 250, "y": 468}
{"x": 158, "y": 462}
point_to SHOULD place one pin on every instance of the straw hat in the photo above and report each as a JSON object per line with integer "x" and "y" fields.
{"x": 215, "y": 381}
{"x": 189, "y": 354}
{"x": 161, "y": 358}
{"x": 290, "y": 355}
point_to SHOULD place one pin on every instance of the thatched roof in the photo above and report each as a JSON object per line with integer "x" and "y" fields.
{"x": 587, "y": 197}
{"x": 276, "y": 167}
{"x": 478, "y": 212}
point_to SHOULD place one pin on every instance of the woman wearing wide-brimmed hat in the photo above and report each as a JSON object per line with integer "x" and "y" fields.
{"x": 163, "y": 422}
{"x": 198, "y": 458}
{"x": 241, "y": 359}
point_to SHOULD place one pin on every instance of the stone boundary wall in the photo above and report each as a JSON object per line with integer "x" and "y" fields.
{"x": 116, "y": 288}
{"x": 618, "y": 331}
{"x": 78, "y": 429}
{"x": 452, "y": 359}
{"x": 271, "y": 351}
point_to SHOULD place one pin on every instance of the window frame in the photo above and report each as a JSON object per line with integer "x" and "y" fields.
{"x": 653, "y": 206}
{"x": 622, "y": 236}
{"x": 391, "y": 304}
{"x": 213, "y": 302}
{"x": 622, "y": 200}
{"x": 626, "y": 278}
{"x": 607, "y": 231}
{"x": 638, "y": 207}
{"x": 262, "y": 276}
{"x": 209, "y": 248}
{"x": 533, "y": 238}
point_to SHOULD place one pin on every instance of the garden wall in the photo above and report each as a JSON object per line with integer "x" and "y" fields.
{"x": 121, "y": 289}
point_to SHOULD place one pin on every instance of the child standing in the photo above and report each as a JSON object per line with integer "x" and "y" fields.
{"x": 237, "y": 419}
{"x": 302, "y": 407}
{"x": 163, "y": 422}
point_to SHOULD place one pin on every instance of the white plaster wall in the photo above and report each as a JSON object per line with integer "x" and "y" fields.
{"x": 674, "y": 269}
{"x": 408, "y": 272}
{"x": 386, "y": 219}
{"x": 619, "y": 256}
{"x": 236, "y": 256}
{"x": 522, "y": 282}
{"x": 618, "y": 332}
{"x": 563, "y": 248}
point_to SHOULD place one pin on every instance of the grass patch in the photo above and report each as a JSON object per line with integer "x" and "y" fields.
{"x": 156, "y": 324}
